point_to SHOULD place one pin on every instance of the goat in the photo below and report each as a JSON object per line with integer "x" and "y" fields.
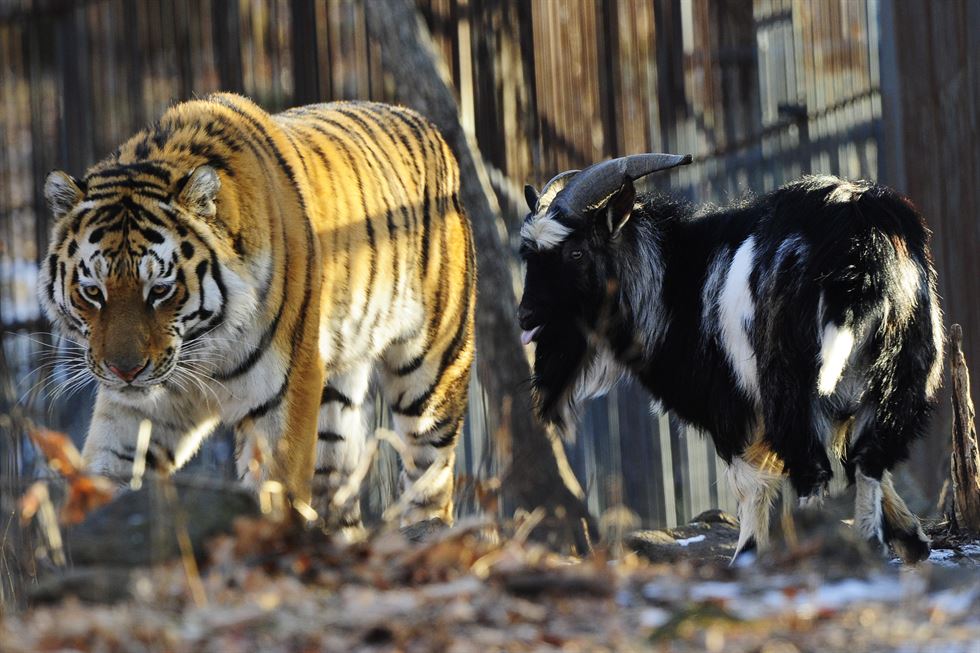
{"x": 800, "y": 324}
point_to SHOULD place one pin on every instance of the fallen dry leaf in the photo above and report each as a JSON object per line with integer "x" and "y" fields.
{"x": 58, "y": 450}
{"x": 85, "y": 494}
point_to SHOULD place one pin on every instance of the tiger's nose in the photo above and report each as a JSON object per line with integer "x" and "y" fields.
{"x": 127, "y": 372}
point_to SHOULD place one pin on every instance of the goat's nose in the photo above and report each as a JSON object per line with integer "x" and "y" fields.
{"x": 523, "y": 315}
{"x": 127, "y": 372}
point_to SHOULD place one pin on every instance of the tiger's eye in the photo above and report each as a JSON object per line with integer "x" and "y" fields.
{"x": 92, "y": 292}
{"x": 159, "y": 289}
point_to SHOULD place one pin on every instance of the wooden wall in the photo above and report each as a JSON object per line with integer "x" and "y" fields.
{"x": 760, "y": 92}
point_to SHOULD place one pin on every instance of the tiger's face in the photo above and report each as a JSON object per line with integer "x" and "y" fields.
{"x": 129, "y": 276}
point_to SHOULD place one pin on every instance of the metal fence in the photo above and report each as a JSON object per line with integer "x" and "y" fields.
{"x": 759, "y": 92}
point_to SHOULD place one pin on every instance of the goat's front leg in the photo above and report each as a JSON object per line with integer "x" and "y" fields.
{"x": 755, "y": 477}
{"x": 791, "y": 433}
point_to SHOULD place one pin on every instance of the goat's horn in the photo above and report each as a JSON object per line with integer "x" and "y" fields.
{"x": 599, "y": 181}
{"x": 553, "y": 187}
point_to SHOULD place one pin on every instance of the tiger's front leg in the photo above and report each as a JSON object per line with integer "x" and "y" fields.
{"x": 279, "y": 434}
{"x": 341, "y": 436}
{"x": 112, "y": 445}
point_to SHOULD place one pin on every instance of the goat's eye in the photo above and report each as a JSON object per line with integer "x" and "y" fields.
{"x": 92, "y": 292}
{"x": 576, "y": 254}
{"x": 159, "y": 290}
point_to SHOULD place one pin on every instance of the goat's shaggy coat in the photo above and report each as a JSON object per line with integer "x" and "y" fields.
{"x": 801, "y": 324}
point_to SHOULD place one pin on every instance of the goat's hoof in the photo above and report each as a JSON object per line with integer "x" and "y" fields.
{"x": 876, "y": 544}
{"x": 746, "y": 555}
{"x": 812, "y": 482}
{"x": 911, "y": 546}
{"x": 814, "y": 501}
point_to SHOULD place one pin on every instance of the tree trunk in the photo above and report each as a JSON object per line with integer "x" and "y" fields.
{"x": 965, "y": 459}
{"x": 930, "y": 151}
{"x": 538, "y": 474}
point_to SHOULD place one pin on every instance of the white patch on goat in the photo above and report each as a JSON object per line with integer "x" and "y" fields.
{"x": 845, "y": 191}
{"x": 793, "y": 245}
{"x": 907, "y": 280}
{"x": 735, "y": 313}
{"x": 835, "y": 349}
{"x": 712, "y": 289}
{"x": 544, "y": 231}
{"x": 934, "y": 378}
{"x": 867, "y": 507}
{"x": 641, "y": 276}
{"x": 755, "y": 490}
{"x": 599, "y": 376}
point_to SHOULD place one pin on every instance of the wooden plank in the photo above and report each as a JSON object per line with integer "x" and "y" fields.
{"x": 667, "y": 470}
{"x": 930, "y": 113}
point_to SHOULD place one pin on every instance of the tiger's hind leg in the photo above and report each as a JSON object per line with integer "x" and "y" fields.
{"x": 426, "y": 388}
{"x": 341, "y": 436}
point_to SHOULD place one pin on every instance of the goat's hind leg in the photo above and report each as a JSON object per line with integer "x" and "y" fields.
{"x": 880, "y": 514}
{"x": 902, "y": 529}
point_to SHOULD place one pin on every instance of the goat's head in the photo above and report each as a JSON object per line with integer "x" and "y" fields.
{"x": 569, "y": 242}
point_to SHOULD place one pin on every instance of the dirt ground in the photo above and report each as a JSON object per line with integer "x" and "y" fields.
{"x": 479, "y": 587}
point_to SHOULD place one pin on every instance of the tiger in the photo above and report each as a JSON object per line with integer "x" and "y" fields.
{"x": 265, "y": 272}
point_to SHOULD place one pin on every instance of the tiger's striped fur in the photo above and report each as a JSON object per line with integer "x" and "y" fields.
{"x": 257, "y": 270}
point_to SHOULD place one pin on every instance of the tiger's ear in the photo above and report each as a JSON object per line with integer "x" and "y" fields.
{"x": 199, "y": 189}
{"x": 62, "y": 192}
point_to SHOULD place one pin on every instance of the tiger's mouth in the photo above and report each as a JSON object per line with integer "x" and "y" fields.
{"x": 106, "y": 379}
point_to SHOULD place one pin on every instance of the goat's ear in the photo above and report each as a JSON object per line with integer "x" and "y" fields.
{"x": 62, "y": 193}
{"x": 530, "y": 196}
{"x": 198, "y": 191}
{"x": 619, "y": 208}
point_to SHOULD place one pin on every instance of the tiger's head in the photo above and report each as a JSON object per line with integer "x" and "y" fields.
{"x": 131, "y": 273}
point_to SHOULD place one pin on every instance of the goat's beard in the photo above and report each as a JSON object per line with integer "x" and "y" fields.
{"x": 570, "y": 367}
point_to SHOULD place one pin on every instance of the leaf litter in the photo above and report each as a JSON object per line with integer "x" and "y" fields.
{"x": 277, "y": 584}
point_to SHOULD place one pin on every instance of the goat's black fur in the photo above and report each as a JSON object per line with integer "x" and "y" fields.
{"x": 654, "y": 284}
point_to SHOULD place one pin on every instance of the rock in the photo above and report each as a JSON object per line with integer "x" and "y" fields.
{"x": 710, "y": 537}
{"x": 140, "y": 528}
{"x": 716, "y": 516}
{"x": 92, "y": 584}
{"x": 818, "y": 538}
{"x": 423, "y": 530}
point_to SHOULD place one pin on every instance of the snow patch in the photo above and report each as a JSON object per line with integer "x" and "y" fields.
{"x": 943, "y": 557}
{"x": 654, "y": 617}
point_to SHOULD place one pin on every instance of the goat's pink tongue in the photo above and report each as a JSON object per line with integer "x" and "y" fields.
{"x": 528, "y": 336}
